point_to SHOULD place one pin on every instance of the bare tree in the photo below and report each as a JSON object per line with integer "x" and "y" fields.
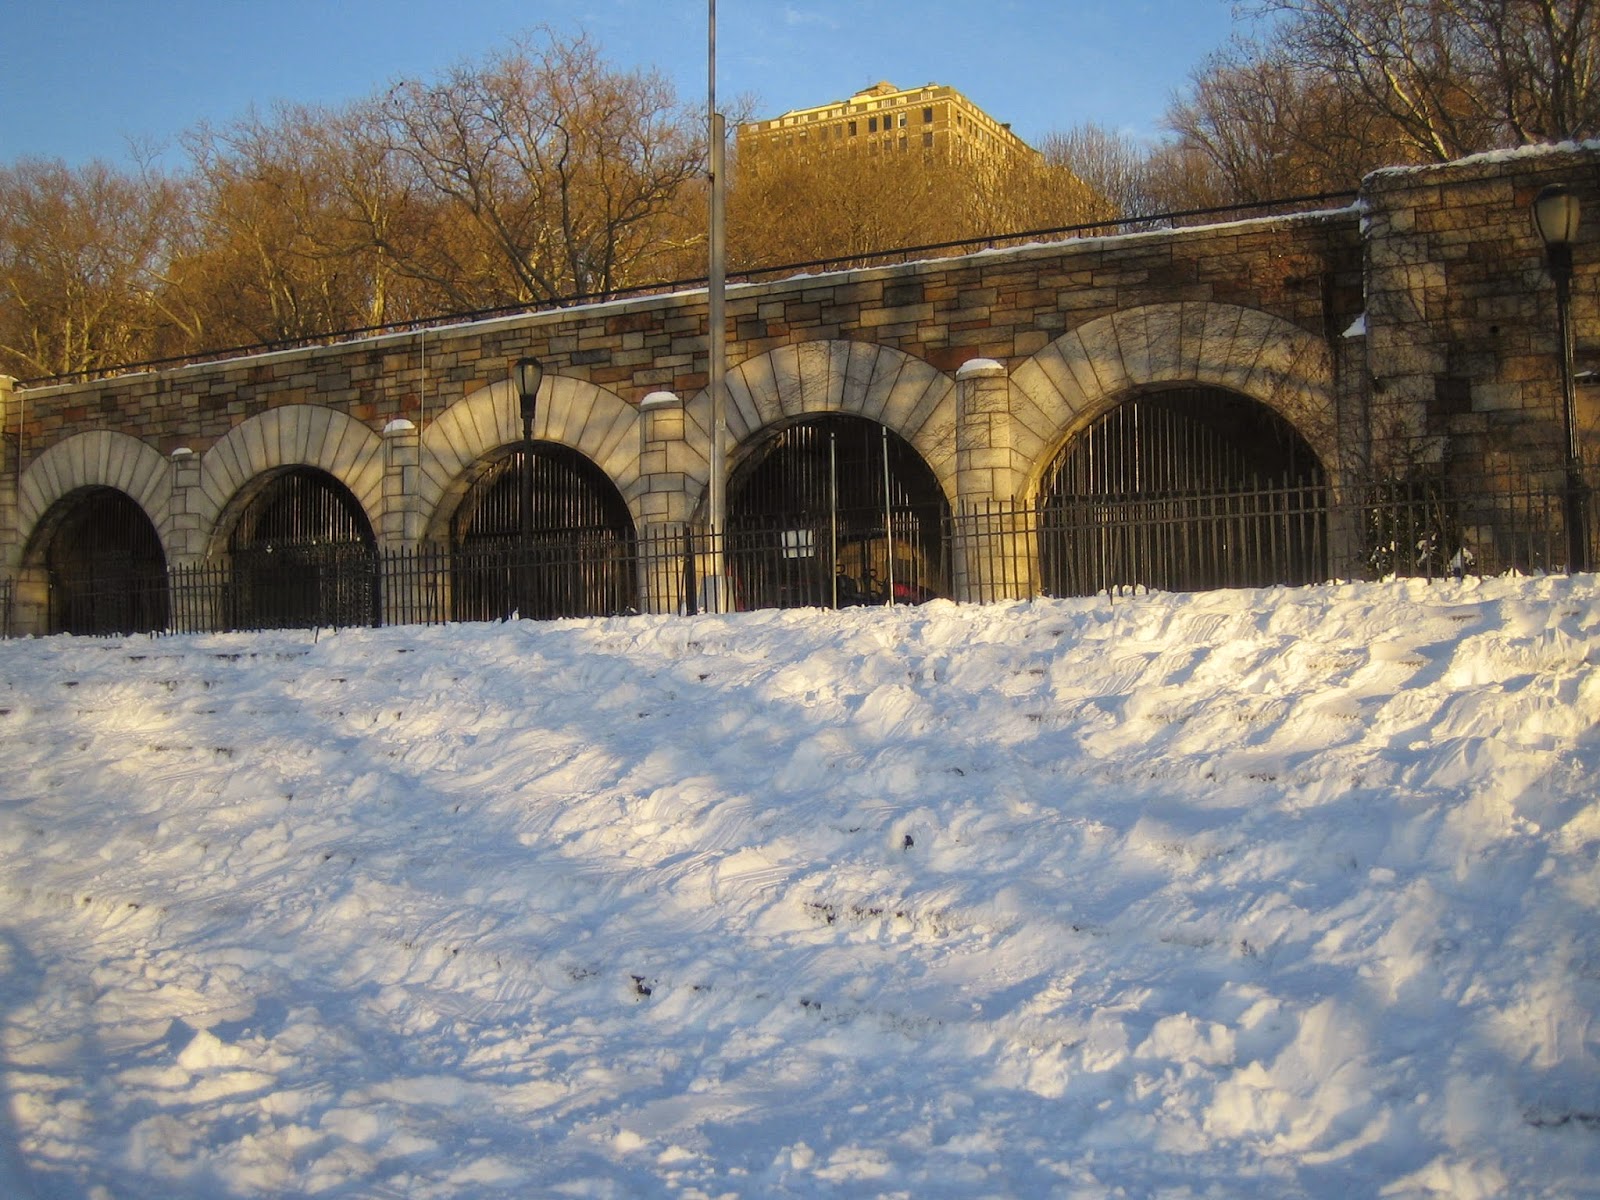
{"x": 1115, "y": 168}
{"x": 1182, "y": 177}
{"x": 795, "y": 207}
{"x": 561, "y": 174}
{"x": 81, "y": 256}
{"x": 1272, "y": 126}
{"x": 798, "y": 205}
{"x": 1543, "y": 58}
{"x": 1028, "y": 192}
{"x": 1454, "y": 76}
{"x": 300, "y": 219}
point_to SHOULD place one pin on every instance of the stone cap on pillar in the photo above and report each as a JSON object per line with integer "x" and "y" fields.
{"x": 980, "y": 368}
{"x": 398, "y": 425}
{"x": 655, "y": 400}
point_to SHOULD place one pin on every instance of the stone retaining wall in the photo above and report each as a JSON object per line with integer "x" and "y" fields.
{"x": 1412, "y": 331}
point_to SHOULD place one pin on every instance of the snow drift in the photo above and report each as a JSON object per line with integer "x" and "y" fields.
{"x": 1267, "y": 893}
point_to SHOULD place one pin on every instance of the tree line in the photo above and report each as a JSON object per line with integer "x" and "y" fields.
{"x": 542, "y": 172}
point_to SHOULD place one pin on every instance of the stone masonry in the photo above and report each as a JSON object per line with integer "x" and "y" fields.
{"x": 1413, "y": 330}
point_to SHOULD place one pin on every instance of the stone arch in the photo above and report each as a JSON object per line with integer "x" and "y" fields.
{"x": 95, "y": 565}
{"x": 99, "y": 458}
{"x": 1086, "y": 372}
{"x": 574, "y": 413}
{"x": 79, "y": 465}
{"x": 294, "y": 435}
{"x": 908, "y": 395}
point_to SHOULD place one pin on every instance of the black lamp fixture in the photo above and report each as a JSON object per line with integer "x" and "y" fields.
{"x": 1555, "y": 218}
{"x": 527, "y": 373}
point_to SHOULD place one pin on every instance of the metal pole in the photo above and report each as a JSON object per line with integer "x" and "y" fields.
{"x": 888, "y": 522}
{"x": 524, "y": 515}
{"x": 833, "y": 514}
{"x": 1576, "y": 497}
{"x": 716, "y": 496}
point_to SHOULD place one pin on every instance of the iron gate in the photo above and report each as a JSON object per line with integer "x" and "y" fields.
{"x": 303, "y": 555}
{"x": 835, "y": 511}
{"x": 106, "y": 569}
{"x": 1183, "y": 490}
{"x": 542, "y": 534}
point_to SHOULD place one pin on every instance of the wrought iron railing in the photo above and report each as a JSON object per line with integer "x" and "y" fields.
{"x": 1076, "y": 545}
{"x": 1421, "y": 526}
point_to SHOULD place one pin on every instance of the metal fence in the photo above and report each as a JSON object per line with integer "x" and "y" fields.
{"x": 1425, "y": 527}
{"x": 1075, "y": 545}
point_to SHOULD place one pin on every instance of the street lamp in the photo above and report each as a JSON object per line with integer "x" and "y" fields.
{"x": 716, "y": 332}
{"x": 1555, "y": 218}
{"x": 526, "y": 373}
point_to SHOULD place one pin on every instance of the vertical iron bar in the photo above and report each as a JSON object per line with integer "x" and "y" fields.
{"x": 888, "y": 522}
{"x": 833, "y": 516}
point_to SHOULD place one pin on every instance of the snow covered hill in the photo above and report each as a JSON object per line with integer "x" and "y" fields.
{"x": 1245, "y": 894}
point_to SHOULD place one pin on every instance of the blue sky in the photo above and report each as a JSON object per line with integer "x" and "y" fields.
{"x": 87, "y": 78}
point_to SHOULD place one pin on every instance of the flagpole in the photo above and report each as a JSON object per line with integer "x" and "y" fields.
{"x": 716, "y": 496}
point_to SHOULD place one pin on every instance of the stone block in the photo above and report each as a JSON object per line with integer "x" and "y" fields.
{"x": 1496, "y": 397}
{"x": 878, "y": 318}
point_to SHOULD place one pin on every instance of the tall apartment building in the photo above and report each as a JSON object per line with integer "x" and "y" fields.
{"x": 885, "y": 119}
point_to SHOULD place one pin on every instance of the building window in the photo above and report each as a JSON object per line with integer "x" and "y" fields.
{"x": 872, "y": 124}
{"x": 852, "y": 129}
{"x": 927, "y": 140}
{"x": 927, "y": 116}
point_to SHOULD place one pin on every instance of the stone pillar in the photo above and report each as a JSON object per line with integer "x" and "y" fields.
{"x": 402, "y": 456}
{"x": 199, "y": 594}
{"x": 412, "y": 588}
{"x": 1351, "y": 470}
{"x": 994, "y": 556}
{"x": 1406, "y": 352}
{"x": 185, "y": 539}
{"x": 983, "y": 432}
{"x": 664, "y": 459}
{"x": 665, "y": 462}
{"x": 10, "y": 469}
{"x": 10, "y": 466}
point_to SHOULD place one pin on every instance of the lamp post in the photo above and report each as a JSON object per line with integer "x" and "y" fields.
{"x": 526, "y": 373}
{"x": 1555, "y": 218}
{"x": 716, "y": 339}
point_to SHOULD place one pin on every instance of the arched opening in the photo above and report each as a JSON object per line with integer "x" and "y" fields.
{"x": 1184, "y": 489}
{"x": 542, "y": 534}
{"x": 105, "y": 570}
{"x": 832, "y": 511}
{"x": 303, "y": 555}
